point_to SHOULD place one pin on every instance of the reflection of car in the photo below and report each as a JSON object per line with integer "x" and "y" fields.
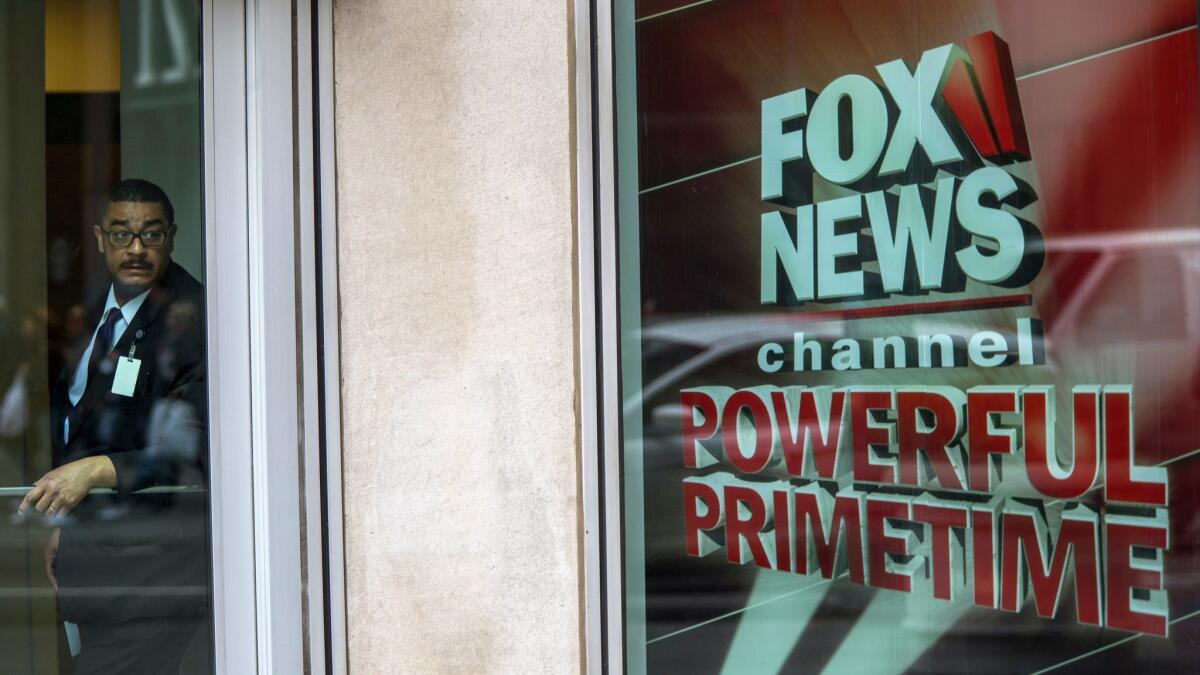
{"x": 1103, "y": 299}
{"x": 675, "y": 348}
{"x": 1115, "y": 310}
{"x": 1125, "y": 300}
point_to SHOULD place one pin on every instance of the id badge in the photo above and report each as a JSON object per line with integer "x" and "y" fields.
{"x": 125, "y": 379}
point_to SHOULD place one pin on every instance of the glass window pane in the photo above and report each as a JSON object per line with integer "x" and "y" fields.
{"x": 105, "y": 548}
{"x": 909, "y": 363}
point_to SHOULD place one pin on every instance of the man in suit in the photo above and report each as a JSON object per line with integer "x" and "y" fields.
{"x": 131, "y": 563}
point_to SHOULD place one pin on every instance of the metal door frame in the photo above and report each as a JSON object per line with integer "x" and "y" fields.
{"x": 271, "y": 271}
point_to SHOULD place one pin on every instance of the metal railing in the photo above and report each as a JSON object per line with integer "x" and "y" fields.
{"x": 22, "y": 490}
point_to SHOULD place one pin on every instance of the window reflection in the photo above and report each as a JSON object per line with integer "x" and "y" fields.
{"x": 1110, "y": 112}
{"x": 104, "y": 551}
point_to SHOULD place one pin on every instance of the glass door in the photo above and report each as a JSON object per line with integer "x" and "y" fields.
{"x": 105, "y": 554}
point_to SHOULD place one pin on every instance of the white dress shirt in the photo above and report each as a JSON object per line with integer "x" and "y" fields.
{"x": 79, "y": 380}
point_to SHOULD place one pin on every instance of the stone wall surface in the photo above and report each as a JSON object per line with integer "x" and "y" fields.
{"x": 456, "y": 243}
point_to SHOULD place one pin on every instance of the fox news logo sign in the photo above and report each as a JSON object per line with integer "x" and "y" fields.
{"x": 920, "y": 156}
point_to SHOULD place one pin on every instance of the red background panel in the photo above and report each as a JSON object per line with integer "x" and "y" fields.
{"x": 700, "y": 242}
{"x": 1044, "y": 34}
{"x": 704, "y": 71}
{"x": 1115, "y": 140}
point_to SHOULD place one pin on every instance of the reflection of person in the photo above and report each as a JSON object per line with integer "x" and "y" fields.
{"x": 131, "y": 568}
{"x": 14, "y": 393}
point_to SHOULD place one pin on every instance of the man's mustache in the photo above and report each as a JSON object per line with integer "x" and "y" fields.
{"x": 135, "y": 264}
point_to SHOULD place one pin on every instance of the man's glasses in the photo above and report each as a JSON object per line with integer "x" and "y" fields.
{"x": 124, "y": 238}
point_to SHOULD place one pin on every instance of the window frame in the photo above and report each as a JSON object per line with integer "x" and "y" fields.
{"x": 599, "y": 355}
{"x": 271, "y": 282}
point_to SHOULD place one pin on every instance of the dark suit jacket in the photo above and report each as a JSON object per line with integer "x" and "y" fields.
{"x": 130, "y": 555}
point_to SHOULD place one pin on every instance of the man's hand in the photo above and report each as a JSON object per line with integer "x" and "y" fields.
{"x": 51, "y": 556}
{"x": 56, "y": 493}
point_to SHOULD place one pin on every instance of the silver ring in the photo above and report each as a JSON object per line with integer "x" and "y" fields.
{"x": 50, "y": 509}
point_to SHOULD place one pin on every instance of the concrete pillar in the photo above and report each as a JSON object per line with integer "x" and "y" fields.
{"x": 456, "y": 245}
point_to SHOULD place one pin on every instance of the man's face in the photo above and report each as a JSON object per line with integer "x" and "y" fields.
{"x": 134, "y": 268}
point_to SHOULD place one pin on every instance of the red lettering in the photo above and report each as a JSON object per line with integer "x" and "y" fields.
{"x": 846, "y": 519}
{"x": 983, "y": 552}
{"x": 867, "y": 438}
{"x": 694, "y": 432}
{"x": 1120, "y": 535}
{"x": 742, "y": 532}
{"x": 1125, "y": 482}
{"x": 982, "y": 402}
{"x": 942, "y": 432}
{"x": 1025, "y": 535}
{"x": 880, "y": 543}
{"x": 940, "y": 519}
{"x": 1041, "y": 461}
{"x": 783, "y": 530}
{"x": 696, "y": 493}
{"x": 759, "y": 420}
{"x": 808, "y": 432}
